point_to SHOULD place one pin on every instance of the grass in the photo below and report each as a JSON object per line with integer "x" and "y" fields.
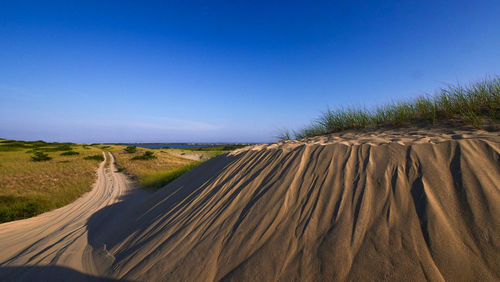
{"x": 204, "y": 152}
{"x": 168, "y": 164}
{"x": 98, "y": 157}
{"x": 148, "y": 172}
{"x": 130, "y": 149}
{"x": 70, "y": 153}
{"x": 40, "y": 157}
{"x": 28, "y": 188}
{"x": 158, "y": 179}
{"x": 34, "y": 146}
{"x": 476, "y": 104}
{"x": 223, "y": 148}
{"x": 148, "y": 155}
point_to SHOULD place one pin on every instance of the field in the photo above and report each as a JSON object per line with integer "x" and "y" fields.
{"x": 166, "y": 165}
{"x": 28, "y": 187}
{"x": 36, "y": 176}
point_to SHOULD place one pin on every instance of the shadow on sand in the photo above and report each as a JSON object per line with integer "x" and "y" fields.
{"x": 138, "y": 209}
{"x": 46, "y": 273}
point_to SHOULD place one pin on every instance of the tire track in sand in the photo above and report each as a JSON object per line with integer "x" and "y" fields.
{"x": 60, "y": 237}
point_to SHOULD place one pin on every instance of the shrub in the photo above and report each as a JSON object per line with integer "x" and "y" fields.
{"x": 148, "y": 155}
{"x": 12, "y": 207}
{"x": 64, "y": 147}
{"x": 131, "y": 149}
{"x": 95, "y": 157}
{"x": 69, "y": 153}
{"x": 40, "y": 157}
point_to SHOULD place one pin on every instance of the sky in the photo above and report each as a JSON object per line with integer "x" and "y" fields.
{"x": 226, "y": 71}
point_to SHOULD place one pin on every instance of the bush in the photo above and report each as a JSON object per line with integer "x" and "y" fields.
{"x": 95, "y": 157}
{"x": 64, "y": 147}
{"x": 131, "y": 149}
{"x": 40, "y": 157}
{"x": 13, "y": 207}
{"x": 148, "y": 155}
{"x": 69, "y": 153}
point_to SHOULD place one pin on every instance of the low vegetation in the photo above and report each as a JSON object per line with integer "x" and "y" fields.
{"x": 477, "y": 104}
{"x": 29, "y": 187}
{"x": 205, "y": 152}
{"x": 98, "y": 157}
{"x": 158, "y": 167}
{"x": 148, "y": 155}
{"x": 131, "y": 149}
{"x": 158, "y": 179}
{"x": 147, "y": 170}
{"x": 69, "y": 153}
{"x": 37, "y": 176}
{"x": 223, "y": 148}
{"x": 40, "y": 157}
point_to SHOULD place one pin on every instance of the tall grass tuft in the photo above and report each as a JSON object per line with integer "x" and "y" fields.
{"x": 476, "y": 104}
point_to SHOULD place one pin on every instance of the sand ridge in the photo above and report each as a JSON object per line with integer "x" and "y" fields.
{"x": 327, "y": 211}
{"x": 403, "y": 136}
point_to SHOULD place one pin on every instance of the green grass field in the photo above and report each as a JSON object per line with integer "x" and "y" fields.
{"x": 477, "y": 104}
{"x": 167, "y": 164}
{"x": 36, "y": 176}
{"x": 29, "y": 187}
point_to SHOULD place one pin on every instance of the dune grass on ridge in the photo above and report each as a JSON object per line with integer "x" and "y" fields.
{"x": 476, "y": 104}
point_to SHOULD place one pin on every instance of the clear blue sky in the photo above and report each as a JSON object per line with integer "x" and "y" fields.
{"x": 233, "y": 71}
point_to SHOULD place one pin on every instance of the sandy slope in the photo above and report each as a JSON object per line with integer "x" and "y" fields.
{"x": 60, "y": 237}
{"x": 407, "y": 204}
{"x": 394, "y": 205}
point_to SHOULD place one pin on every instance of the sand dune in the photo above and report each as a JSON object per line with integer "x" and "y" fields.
{"x": 421, "y": 209}
{"x": 406, "y": 204}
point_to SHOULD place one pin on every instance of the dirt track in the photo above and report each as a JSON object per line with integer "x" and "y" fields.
{"x": 60, "y": 237}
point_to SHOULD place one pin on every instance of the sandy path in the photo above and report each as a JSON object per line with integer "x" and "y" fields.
{"x": 60, "y": 237}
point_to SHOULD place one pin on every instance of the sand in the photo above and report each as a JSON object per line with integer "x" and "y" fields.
{"x": 406, "y": 204}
